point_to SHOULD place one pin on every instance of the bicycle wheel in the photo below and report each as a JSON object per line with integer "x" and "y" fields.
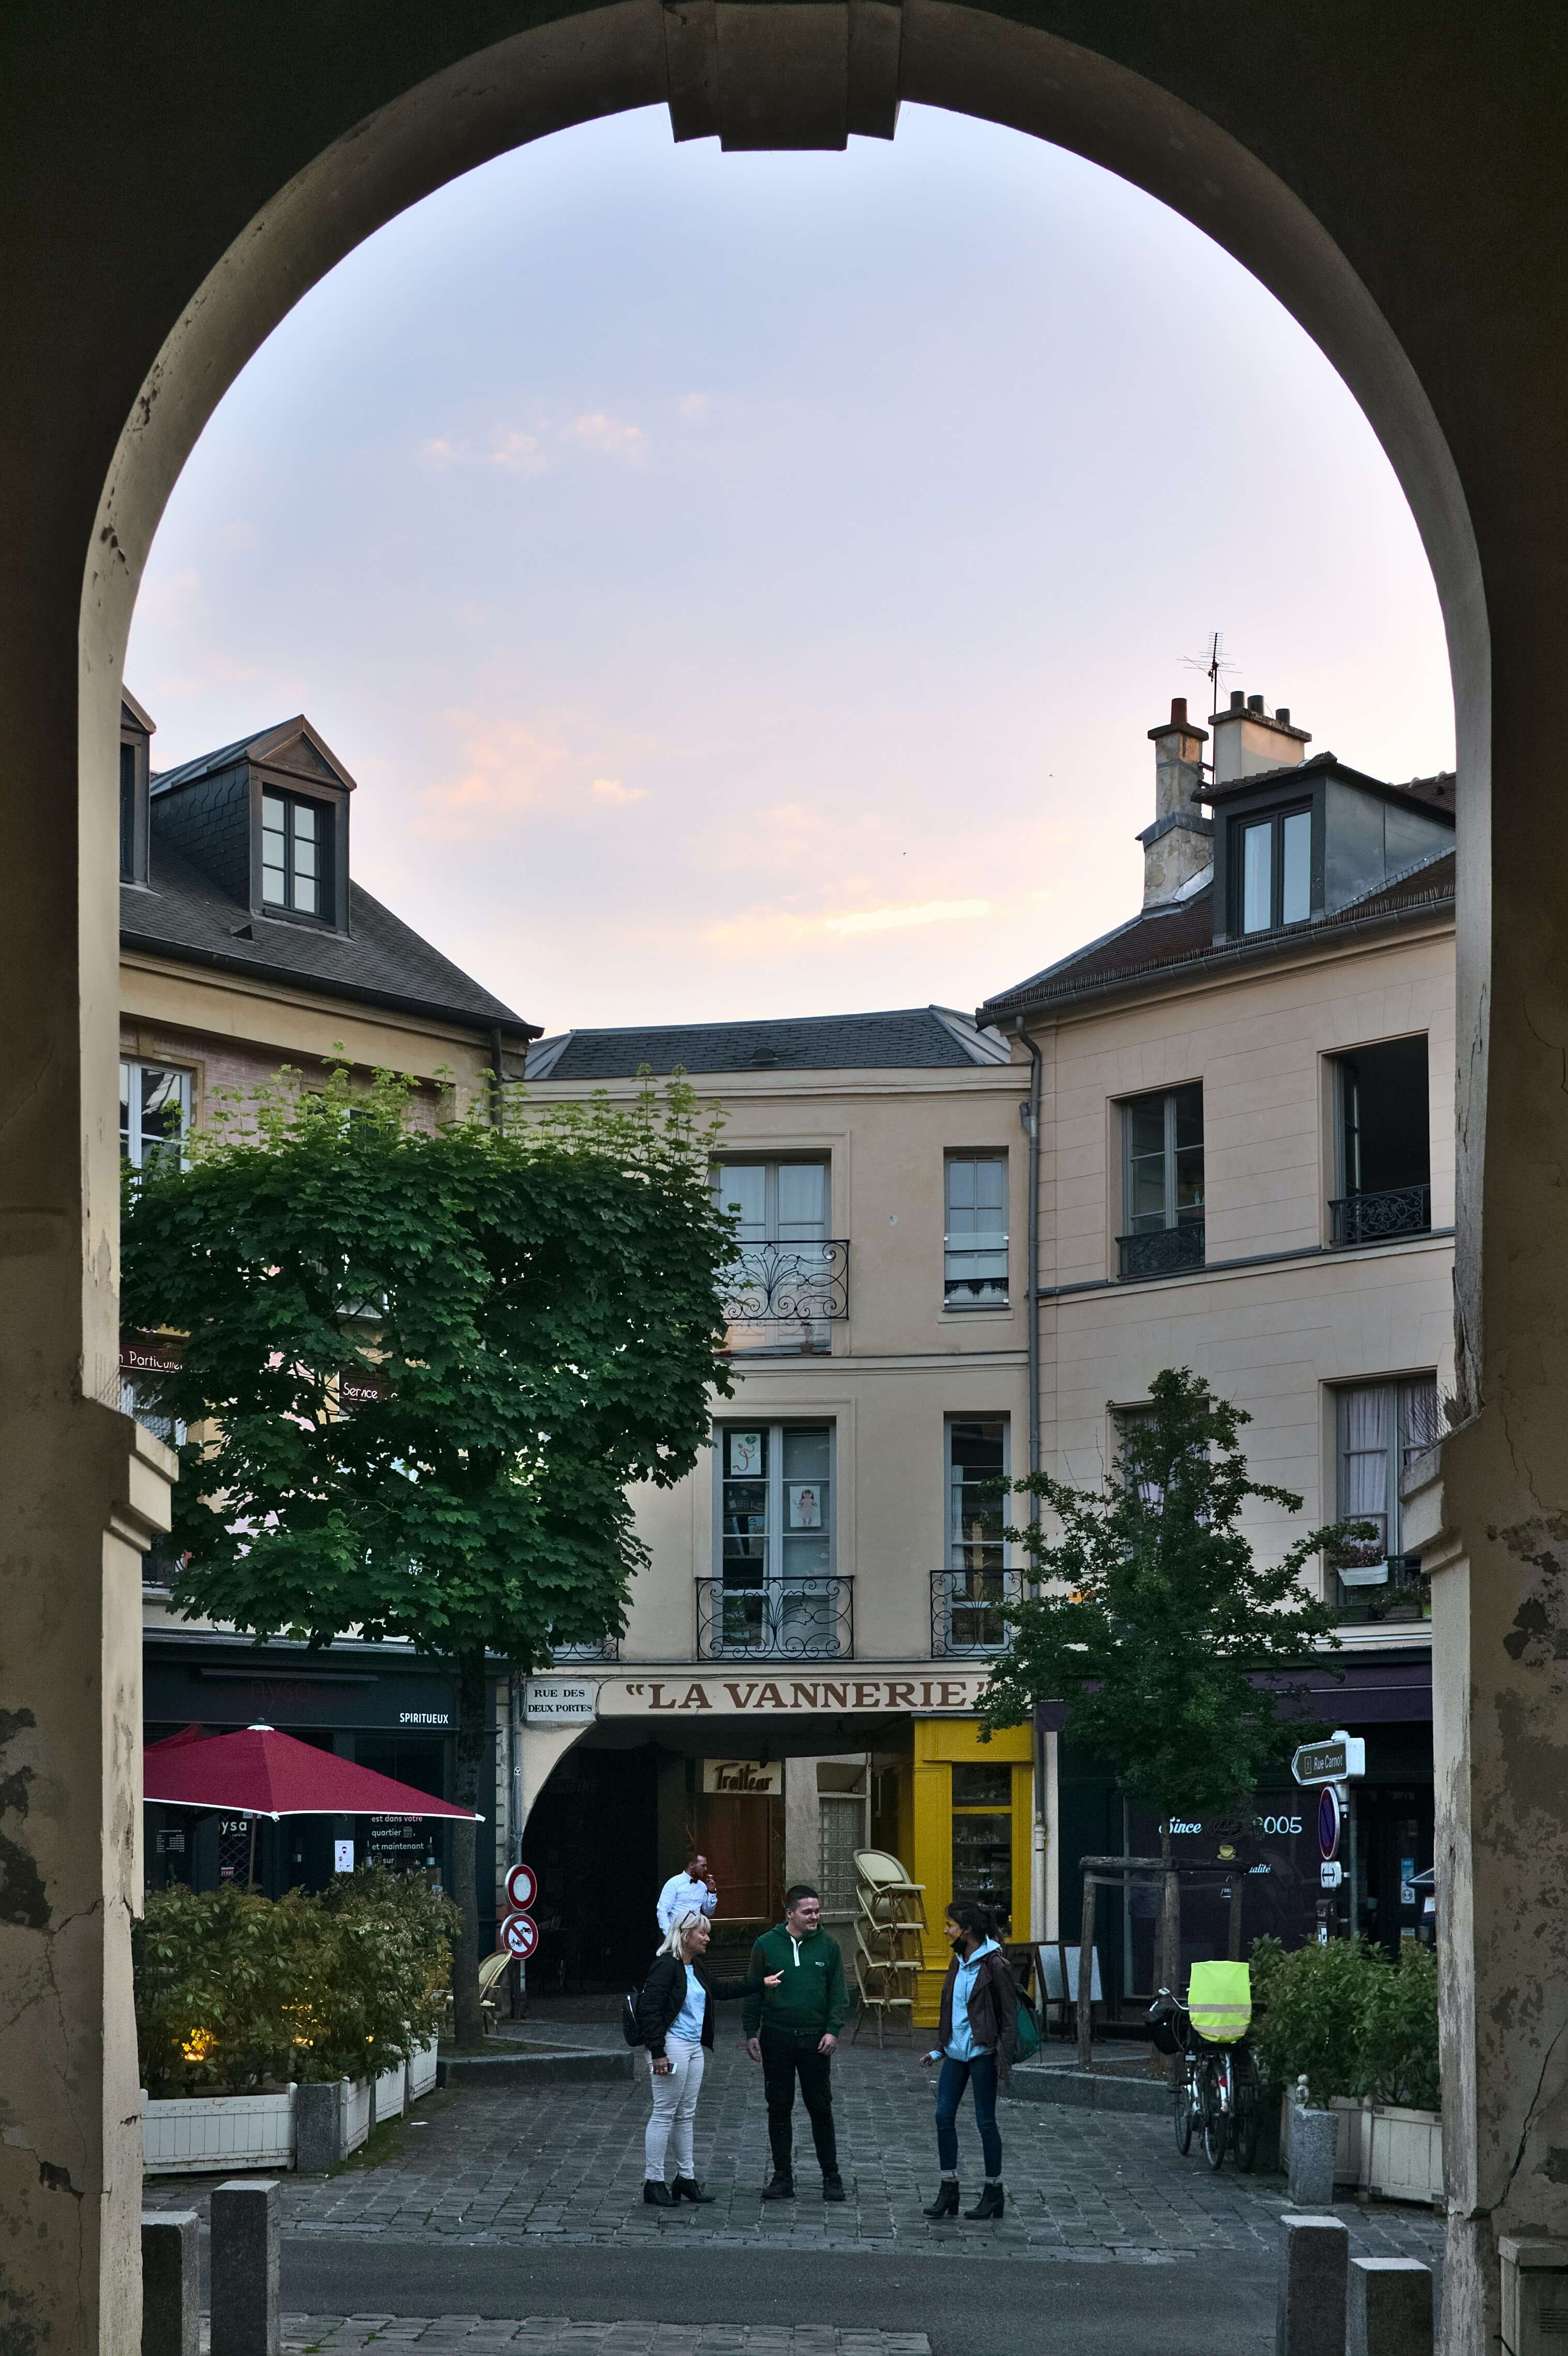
{"x": 1216, "y": 2125}
{"x": 1184, "y": 2109}
{"x": 1249, "y": 2110}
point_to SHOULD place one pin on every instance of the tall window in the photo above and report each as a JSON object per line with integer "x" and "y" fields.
{"x": 776, "y": 1202}
{"x": 1161, "y": 1181}
{"x": 293, "y": 854}
{"x": 971, "y": 1590}
{"x": 1384, "y": 1160}
{"x": 1382, "y": 1426}
{"x": 775, "y": 1591}
{"x": 975, "y": 1265}
{"x": 128, "y": 814}
{"x": 1273, "y": 871}
{"x": 154, "y": 1111}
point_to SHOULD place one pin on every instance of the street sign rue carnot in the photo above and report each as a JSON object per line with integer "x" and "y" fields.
{"x": 1343, "y": 1757}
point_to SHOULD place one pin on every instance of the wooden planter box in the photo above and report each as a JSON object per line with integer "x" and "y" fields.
{"x": 422, "y": 2070}
{"x": 390, "y": 2093}
{"x": 216, "y": 2133}
{"x": 1381, "y": 2148}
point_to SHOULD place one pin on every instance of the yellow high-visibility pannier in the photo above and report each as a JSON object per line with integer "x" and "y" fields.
{"x": 1219, "y": 1998}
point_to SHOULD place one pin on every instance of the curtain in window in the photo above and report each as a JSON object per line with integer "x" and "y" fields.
{"x": 1365, "y": 1431}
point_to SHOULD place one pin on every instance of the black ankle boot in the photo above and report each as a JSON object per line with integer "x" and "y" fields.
{"x": 946, "y": 2203}
{"x": 686, "y": 2188}
{"x": 780, "y": 2186}
{"x": 657, "y": 2193}
{"x": 990, "y": 2203}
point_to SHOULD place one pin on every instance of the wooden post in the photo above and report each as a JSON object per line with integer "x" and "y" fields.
{"x": 1086, "y": 1970}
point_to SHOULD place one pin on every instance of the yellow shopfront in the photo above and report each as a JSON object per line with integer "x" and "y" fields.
{"x": 971, "y": 1833}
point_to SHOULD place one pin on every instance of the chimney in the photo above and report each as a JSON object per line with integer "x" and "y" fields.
{"x": 1177, "y": 846}
{"x": 1247, "y": 741}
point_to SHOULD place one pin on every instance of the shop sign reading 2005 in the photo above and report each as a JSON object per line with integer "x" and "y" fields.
{"x": 560, "y": 1701}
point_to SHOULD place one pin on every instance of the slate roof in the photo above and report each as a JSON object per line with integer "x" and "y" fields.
{"x": 908, "y": 1038}
{"x": 380, "y": 961}
{"x": 1434, "y": 792}
{"x": 1180, "y": 935}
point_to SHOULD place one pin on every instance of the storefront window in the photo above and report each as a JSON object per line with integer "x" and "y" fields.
{"x": 983, "y": 1838}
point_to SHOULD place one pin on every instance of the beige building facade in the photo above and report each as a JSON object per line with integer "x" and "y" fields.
{"x": 822, "y": 1591}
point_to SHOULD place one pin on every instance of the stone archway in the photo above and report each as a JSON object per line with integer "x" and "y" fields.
{"x": 181, "y": 184}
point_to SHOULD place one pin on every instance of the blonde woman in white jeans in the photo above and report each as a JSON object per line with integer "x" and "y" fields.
{"x": 675, "y": 2014}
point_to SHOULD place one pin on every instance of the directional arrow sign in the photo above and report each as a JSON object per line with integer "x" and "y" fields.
{"x": 521, "y": 1888}
{"x": 520, "y": 1935}
{"x": 1335, "y": 1762}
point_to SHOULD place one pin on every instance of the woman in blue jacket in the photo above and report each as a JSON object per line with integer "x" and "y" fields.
{"x": 978, "y": 2037}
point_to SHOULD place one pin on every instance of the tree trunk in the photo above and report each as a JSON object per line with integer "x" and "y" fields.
{"x": 472, "y": 1697}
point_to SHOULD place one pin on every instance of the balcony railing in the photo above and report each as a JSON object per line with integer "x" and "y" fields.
{"x": 783, "y": 1296}
{"x": 1374, "y": 1218}
{"x": 1167, "y": 1251}
{"x": 1405, "y": 1594}
{"x": 967, "y": 1608}
{"x": 598, "y": 1648}
{"x": 790, "y": 1619}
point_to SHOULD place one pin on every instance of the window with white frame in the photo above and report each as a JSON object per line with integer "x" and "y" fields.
{"x": 1162, "y": 1138}
{"x": 975, "y": 1256}
{"x": 974, "y": 1584}
{"x": 1381, "y": 1428}
{"x": 776, "y": 1590}
{"x": 155, "y": 1110}
{"x": 789, "y": 1284}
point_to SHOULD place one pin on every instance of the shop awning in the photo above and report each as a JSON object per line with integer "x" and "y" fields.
{"x": 1377, "y": 1692}
{"x": 261, "y": 1772}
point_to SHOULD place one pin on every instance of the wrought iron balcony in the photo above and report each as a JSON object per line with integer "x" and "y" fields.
{"x": 599, "y": 1648}
{"x": 790, "y": 1619}
{"x": 967, "y": 1608}
{"x": 1375, "y": 1218}
{"x": 1405, "y": 1594}
{"x": 783, "y": 1296}
{"x": 1166, "y": 1252}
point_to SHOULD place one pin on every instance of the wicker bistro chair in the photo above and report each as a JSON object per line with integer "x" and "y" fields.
{"x": 877, "y": 1990}
{"x": 491, "y": 1973}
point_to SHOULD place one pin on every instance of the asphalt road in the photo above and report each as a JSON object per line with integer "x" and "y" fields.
{"x": 1222, "y": 2305}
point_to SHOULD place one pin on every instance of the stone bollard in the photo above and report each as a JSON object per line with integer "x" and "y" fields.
{"x": 245, "y": 2256}
{"x": 1389, "y": 2310}
{"x": 1313, "y": 2140}
{"x": 1310, "y": 2317}
{"x": 317, "y": 2127}
{"x": 171, "y": 2282}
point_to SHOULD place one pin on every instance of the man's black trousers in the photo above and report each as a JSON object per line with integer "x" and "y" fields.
{"x": 784, "y": 2059}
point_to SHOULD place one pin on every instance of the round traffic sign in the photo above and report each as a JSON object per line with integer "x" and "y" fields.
{"x": 1330, "y": 1816}
{"x": 520, "y": 1935}
{"x": 521, "y": 1888}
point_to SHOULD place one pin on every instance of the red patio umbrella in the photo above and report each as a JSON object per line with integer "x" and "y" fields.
{"x": 261, "y": 1772}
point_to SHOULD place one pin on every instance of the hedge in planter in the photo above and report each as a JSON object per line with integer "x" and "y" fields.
{"x": 233, "y": 1990}
{"x": 1348, "y": 2021}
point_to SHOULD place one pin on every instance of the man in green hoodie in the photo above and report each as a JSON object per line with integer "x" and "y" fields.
{"x": 791, "y": 2029}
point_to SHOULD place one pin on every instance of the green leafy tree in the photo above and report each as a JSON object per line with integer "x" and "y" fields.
{"x": 1157, "y": 1620}
{"x": 527, "y": 1316}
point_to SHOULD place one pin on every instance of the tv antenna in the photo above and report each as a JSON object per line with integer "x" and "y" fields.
{"x": 1214, "y": 662}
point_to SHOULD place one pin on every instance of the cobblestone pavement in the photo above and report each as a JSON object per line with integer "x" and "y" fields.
{"x": 524, "y": 2165}
{"x": 556, "y": 2335}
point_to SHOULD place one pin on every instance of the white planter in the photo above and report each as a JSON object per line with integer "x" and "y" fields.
{"x": 354, "y": 2113}
{"x": 390, "y": 2093}
{"x": 1395, "y": 2153}
{"x": 422, "y": 2070}
{"x": 1404, "y": 2158}
{"x": 198, "y": 2133}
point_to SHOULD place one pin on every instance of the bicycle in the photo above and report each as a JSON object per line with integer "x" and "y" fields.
{"x": 1219, "y": 2095}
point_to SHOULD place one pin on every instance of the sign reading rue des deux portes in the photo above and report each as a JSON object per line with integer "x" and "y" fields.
{"x": 556, "y": 1701}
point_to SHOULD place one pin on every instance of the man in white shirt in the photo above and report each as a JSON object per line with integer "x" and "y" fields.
{"x": 693, "y": 1886}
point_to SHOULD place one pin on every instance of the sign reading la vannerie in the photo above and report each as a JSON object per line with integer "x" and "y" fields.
{"x": 752, "y": 1697}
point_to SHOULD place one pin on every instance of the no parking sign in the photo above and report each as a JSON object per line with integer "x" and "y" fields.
{"x": 520, "y": 1935}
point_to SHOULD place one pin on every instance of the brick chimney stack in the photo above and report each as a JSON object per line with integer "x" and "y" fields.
{"x": 1179, "y": 844}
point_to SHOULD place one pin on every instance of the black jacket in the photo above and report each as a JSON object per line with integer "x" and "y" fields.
{"x": 664, "y": 1993}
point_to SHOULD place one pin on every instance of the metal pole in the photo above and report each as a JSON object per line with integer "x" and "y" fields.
{"x": 1086, "y": 1970}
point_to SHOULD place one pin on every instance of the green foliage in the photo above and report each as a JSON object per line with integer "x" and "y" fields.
{"x": 538, "y": 1307}
{"x": 1158, "y": 1618}
{"x": 232, "y": 1990}
{"x": 1348, "y": 2021}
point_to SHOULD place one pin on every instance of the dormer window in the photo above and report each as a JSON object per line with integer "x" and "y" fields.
{"x": 1270, "y": 861}
{"x": 127, "y": 813}
{"x": 135, "y": 734}
{"x": 295, "y": 836}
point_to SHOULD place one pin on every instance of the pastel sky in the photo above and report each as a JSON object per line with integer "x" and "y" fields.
{"x": 742, "y": 585}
